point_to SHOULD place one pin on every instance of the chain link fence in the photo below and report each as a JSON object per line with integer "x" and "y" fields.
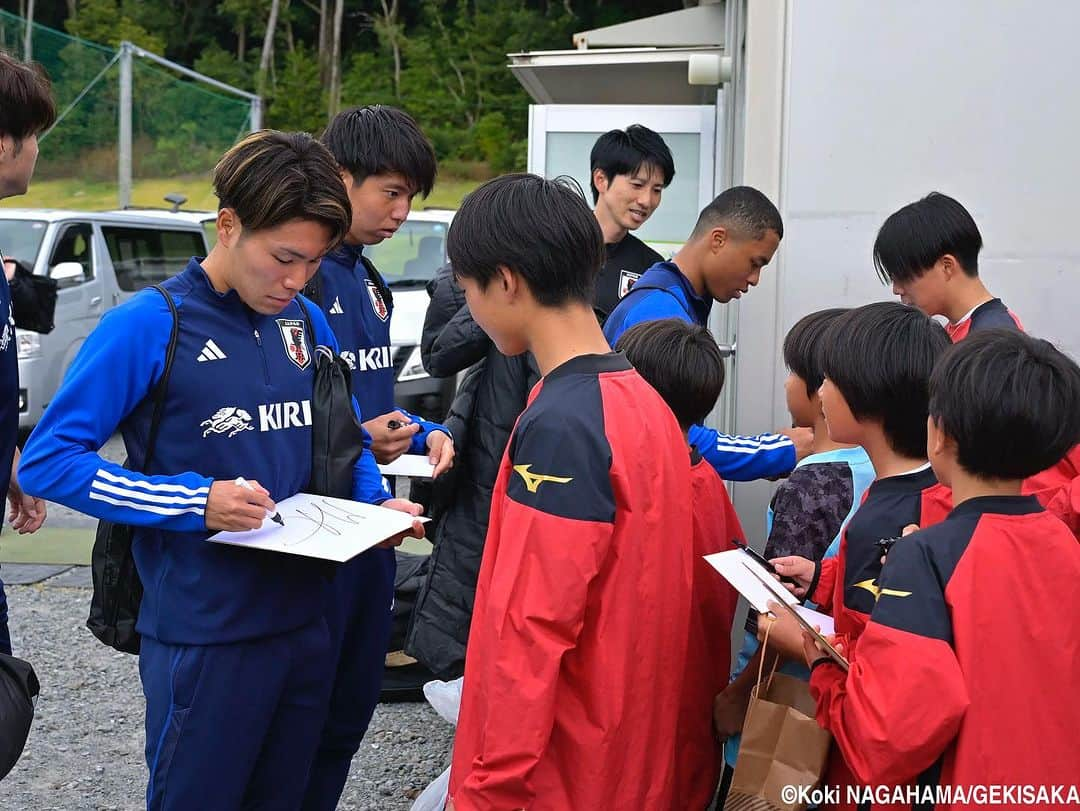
{"x": 179, "y": 126}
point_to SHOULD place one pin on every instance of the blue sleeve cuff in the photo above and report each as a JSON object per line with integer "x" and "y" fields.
{"x": 419, "y": 440}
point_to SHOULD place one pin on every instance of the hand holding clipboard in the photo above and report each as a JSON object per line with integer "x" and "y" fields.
{"x": 799, "y": 612}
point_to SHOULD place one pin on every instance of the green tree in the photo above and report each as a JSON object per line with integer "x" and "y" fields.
{"x": 442, "y": 60}
{"x": 219, "y": 64}
{"x": 369, "y": 80}
{"x": 298, "y": 102}
{"x": 496, "y": 143}
{"x": 248, "y": 17}
{"x": 104, "y": 22}
{"x": 456, "y": 74}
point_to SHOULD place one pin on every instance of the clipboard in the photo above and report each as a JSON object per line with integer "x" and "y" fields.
{"x": 410, "y": 465}
{"x": 734, "y": 566}
{"x": 832, "y": 652}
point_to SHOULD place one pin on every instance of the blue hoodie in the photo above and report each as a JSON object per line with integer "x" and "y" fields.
{"x": 351, "y": 297}
{"x": 664, "y": 292}
{"x": 238, "y": 404}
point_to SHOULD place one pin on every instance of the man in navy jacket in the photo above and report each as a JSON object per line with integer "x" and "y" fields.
{"x": 384, "y": 161}
{"x": 235, "y": 659}
{"x": 735, "y": 236}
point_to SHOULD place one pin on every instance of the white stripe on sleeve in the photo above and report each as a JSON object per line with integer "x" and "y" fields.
{"x": 146, "y": 507}
{"x": 97, "y": 486}
{"x": 145, "y": 485}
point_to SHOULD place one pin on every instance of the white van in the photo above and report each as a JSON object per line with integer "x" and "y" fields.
{"x": 98, "y": 259}
{"x": 408, "y": 261}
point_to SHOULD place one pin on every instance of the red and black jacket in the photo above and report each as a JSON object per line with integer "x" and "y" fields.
{"x": 699, "y": 757}
{"x": 1057, "y": 488}
{"x": 846, "y": 584}
{"x": 954, "y": 677}
{"x": 992, "y": 314}
{"x": 574, "y": 670}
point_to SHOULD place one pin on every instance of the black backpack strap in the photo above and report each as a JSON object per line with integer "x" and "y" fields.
{"x": 313, "y": 290}
{"x": 159, "y": 390}
{"x": 307, "y": 320}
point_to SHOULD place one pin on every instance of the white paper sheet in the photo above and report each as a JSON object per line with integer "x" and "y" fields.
{"x": 322, "y": 527}
{"x": 411, "y": 464}
{"x": 738, "y": 568}
{"x": 817, "y": 619}
{"x": 758, "y": 586}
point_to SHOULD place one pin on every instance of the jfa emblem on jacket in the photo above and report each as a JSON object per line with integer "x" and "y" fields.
{"x": 292, "y": 333}
{"x": 626, "y": 281}
{"x": 377, "y": 302}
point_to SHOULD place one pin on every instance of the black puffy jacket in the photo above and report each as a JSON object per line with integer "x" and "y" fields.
{"x": 485, "y": 409}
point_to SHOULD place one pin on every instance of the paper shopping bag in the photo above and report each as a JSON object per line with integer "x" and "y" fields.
{"x": 782, "y": 746}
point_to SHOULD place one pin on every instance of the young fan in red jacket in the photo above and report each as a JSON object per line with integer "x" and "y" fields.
{"x": 877, "y": 372}
{"x": 929, "y": 252}
{"x": 683, "y": 363}
{"x": 574, "y": 667}
{"x": 955, "y": 632}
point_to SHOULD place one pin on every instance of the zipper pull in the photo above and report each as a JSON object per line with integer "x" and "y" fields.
{"x": 258, "y": 339}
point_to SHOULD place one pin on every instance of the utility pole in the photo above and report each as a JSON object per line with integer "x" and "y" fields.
{"x": 124, "y": 152}
{"x": 28, "y": 40}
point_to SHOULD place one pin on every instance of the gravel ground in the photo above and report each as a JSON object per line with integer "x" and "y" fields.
{"x": 86, "y": 746}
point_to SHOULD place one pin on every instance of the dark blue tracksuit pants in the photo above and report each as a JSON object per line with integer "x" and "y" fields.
{"x": 234, "y": 725}
{"x": 360, "y": 618}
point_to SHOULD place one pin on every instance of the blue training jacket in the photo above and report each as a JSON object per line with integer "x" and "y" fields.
{"x": 664, "y": 292}
{"x": 238, "y": 404}
{"x": 359, "y": 314}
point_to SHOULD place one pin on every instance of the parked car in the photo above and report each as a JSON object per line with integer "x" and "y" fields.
{"x": 98, "y": 260}
{"x": 408, "y": 261}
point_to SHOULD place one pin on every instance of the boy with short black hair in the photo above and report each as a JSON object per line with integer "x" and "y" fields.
{"x": 958, "y": 602}
{"x": 929, "y": 252}
{"x": 683, "y": 363}
{"x": 808, "y": 510}
{"x": 875, "y": 392}
{"x": 384, "y": 161}
{"x": 582, "y": 615}
{"x": 735, "y": 237}
{"x": 629, "y": 171}
{"x": 877, "y": 370}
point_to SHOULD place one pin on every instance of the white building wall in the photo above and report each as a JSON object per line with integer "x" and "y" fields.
{"x": 882, "y": 102}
